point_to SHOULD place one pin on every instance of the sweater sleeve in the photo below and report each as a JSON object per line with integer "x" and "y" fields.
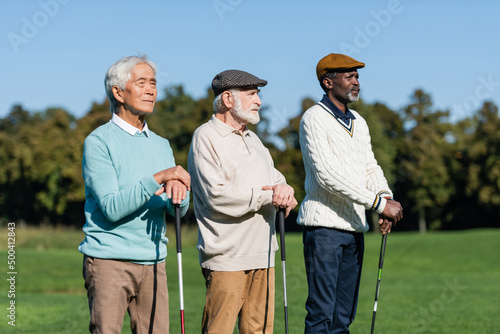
{"x": 278, "y": 177}
{"x": 318, "y": 154}
{"x": 101, "y": 181}
{"x": 213, "y": 188}
{"x": 375, "y": 179}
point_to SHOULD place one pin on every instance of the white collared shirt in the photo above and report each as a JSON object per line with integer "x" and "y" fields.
{"x": 129, "y": 128}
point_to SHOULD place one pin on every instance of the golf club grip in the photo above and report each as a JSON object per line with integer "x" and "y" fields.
{"x": 382, "y": 251}
{"x": 281, "y": 223}
{"x": 178, "y": 227}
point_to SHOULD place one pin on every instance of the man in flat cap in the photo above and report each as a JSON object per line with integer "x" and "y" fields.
{"x": 236, "y": 190}
{"x": 343, "y": 180}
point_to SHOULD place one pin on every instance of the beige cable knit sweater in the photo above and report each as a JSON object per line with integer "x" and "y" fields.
{"x": 342, "y": 176}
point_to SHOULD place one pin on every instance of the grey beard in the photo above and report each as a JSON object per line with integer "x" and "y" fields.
{"x": 352, "y": 98}
{"x": 245, "y": 115}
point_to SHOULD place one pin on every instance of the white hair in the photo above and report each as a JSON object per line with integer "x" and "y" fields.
{"x": 217, "y": 105}
{"x": 119, "y": 73}
{"x": 244, "y": 115}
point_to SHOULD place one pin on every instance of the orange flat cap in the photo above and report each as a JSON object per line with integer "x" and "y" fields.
{"x": 335, "y": 61}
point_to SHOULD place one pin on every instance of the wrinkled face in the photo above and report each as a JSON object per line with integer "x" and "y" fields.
{"x": 246, "y": 105}
{"x": 140, "y": 92}
{"x": 346, "y": 86}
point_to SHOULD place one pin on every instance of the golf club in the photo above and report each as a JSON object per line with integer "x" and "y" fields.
{"x": 281, "y": 223}
{"x": 380, "y": 266}
{"x": 179, "y": 261}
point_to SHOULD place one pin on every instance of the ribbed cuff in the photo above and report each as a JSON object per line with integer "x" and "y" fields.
{"x": 380, "y": 202}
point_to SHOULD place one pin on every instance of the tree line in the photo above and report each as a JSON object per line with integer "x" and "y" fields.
{"x": 446, "y": 174}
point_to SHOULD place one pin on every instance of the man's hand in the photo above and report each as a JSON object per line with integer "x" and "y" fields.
{"x": 176, "y": 173}
{"x": 175, "y": 190}
{"x": 283, "y": 197}
{"x": 393, "y": 211}
{"x": 385, "y": 224}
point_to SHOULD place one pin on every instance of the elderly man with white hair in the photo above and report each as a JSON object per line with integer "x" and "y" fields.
{"x": 235, "y": 191}
{"x": 131, "y": 180}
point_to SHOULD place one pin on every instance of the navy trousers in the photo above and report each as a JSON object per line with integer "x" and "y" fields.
{"x": 333, "y": 260}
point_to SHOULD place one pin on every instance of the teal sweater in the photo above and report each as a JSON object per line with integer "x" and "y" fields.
{"x": 124, "y": 218}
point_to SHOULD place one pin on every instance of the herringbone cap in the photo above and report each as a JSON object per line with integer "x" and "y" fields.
{"x": 235, "y": 79}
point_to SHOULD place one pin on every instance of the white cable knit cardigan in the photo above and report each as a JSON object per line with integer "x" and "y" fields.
{"x": 342, "y": 176}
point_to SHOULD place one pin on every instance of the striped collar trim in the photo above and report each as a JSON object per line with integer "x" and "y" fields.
{"x": 349, "y": 127}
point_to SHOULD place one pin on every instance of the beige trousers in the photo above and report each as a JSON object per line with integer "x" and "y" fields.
{"x": 244, "y": 295}
{"x": 116, "y": 286}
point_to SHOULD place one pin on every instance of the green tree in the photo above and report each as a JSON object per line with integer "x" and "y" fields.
{"x": 38, "y": 163}
{"x": 177, "y": 116}
{"x": 423, "y": 174}
{"x": 385, "y": 130}
{"x": 477, "y": 170}
{"x": 483, "y": 153}
{"x": 289, "y": 161}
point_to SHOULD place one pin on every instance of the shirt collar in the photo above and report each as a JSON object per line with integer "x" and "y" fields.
{"x": 223, "y": 129}
{"x": 334, "y": 109}
{"x": 129, "y": 128}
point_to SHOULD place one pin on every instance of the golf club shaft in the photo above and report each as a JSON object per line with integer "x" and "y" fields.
{"x": 281, "y": 223}
{"x": 179, "y": 262}
{"x": 379, "y": 277}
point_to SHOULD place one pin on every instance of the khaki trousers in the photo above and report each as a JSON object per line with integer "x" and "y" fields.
{"x": 244, "y": 295}
{"x": 115, "y": 286}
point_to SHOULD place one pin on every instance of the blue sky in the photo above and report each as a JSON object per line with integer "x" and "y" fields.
{"x": 55, "y": 52}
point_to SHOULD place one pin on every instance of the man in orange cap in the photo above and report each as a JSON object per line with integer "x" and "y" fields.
{"x": 343, "y": 179}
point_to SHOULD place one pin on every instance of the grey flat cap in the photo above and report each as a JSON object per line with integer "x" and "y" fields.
{"x": 235, "y": 79}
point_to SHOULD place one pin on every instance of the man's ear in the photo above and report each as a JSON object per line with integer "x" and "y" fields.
{"x": 328, "y": 83}
{"x": 117, "y": 93}
{"x": 228, "y": 99}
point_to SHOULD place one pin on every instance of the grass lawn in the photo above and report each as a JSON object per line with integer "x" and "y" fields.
{"x": 440, "y": 282}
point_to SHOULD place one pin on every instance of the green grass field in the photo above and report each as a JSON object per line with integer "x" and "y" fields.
{"x": 440, "y": 282}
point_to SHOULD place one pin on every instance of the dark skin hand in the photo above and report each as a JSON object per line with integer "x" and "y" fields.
{"x": 393, "y": 210}
{"x": 386, "y": 223}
